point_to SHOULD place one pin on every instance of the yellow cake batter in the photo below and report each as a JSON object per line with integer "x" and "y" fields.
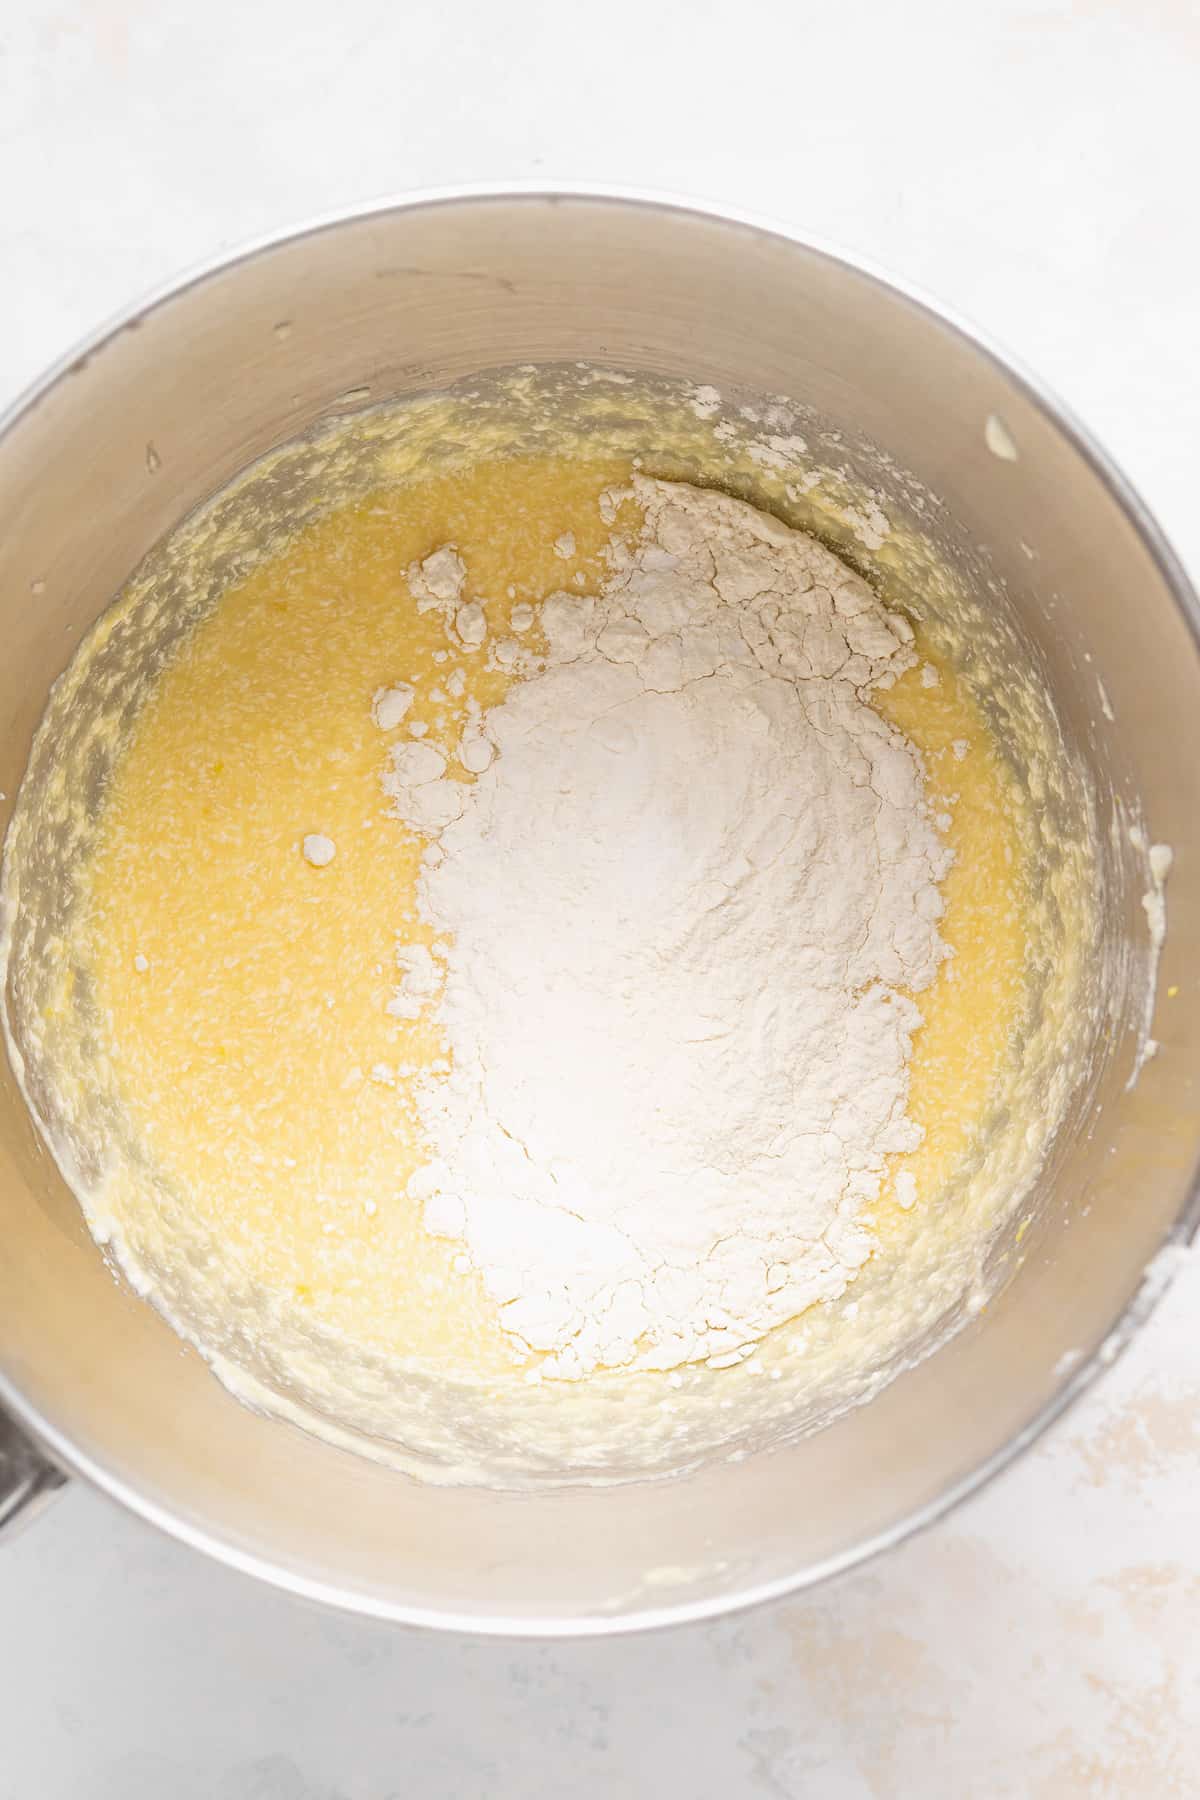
{"x": 242, "y": 991}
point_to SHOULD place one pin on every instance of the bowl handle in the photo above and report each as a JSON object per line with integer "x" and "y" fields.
{"x": 27, "y": 1478}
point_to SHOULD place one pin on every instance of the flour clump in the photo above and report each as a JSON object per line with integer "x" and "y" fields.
{"x": 681, "y": 902}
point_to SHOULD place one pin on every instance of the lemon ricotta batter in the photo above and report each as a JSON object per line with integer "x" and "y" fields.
{"x": 257, "y": 1027}
{"x": 249, "y": 985}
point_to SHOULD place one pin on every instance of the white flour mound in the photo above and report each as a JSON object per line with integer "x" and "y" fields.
{"x": 674, "y": 911}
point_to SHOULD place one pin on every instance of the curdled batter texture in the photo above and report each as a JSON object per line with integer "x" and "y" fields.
{"x": 244, "y": 984}
{"x": 240, "y": 983}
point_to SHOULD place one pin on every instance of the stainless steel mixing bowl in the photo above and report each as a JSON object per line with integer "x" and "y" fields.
{"x": 111, "y": 448}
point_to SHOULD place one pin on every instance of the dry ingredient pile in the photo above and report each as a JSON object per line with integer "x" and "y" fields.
{"x": 680, "y": 913}
{"x": 547, "y": 986}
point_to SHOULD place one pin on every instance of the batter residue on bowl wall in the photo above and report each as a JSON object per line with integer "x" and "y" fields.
{"x": 553, "y": 933}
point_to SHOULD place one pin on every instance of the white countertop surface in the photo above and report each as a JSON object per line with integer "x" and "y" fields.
{"x": 1033, "y": 162}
